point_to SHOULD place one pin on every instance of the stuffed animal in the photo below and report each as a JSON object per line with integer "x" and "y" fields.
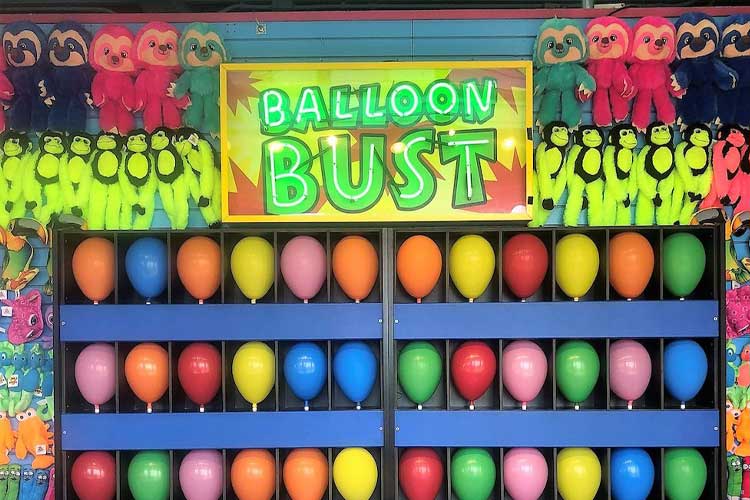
{"x": 651, "y": 52}
{"x": 549, "y": 179}
{"x": 201, "y": 51}
{"x": 14, "y": 481}
{"x": 50, "y": 482}
{"x": 25, "y": 51}
{"x": 69, "y": 82}
{"x": 728, "y": 181}
{"x": 559, "y": 51}
{"x": 201, "y": 173}
{"x": 15, "y": 156}
{"x": 585, "y": 177}
{"x": 41, "y": 185}
{"x": 698, "y": 69}
{"x": 692, "y": 157}
{"x": 156, "y": 53}
{"x": 27, "y": 482}
{"x": 735, "y": 52}
{"x": 170, "y": 172}
{"x": 656, "y": 177}
{"x": 19, "y": 400}
{"x": 113, "y": 88}
{"x": 137, "y": 182}
{"x": 75, "y": 174}
{"x": 26, "y": 323}
{"x": 620, "y": 178}
{"x": 105, "y": 201}
{"x": 7, "y": 438}
{"x": 34, "y": 438}
{"x": 6, "y": 369}
{"x": 6, "y": 91}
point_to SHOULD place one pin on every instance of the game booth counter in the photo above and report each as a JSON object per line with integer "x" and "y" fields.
{"x": 431, "y": 255}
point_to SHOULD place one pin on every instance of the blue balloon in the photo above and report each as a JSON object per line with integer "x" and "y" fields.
{"x": 146, "y": 267}
{"x": 355, "y": 370}
{"x": 305, "y": 368}
{"x": 631, "y": 474}
{"x": 685, "y": 369}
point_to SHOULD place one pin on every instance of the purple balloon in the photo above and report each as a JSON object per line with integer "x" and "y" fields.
{"x": 524, "y": 370}
{"x": 303, "y": 265}
{"x": 629, "y": 369}
{"x": 202, "y": 475}
{"x": 95, "y": 374}
{"x": 525, "y": 473}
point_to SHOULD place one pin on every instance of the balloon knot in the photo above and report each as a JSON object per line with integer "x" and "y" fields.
{"x": 307, "y": 406}
{"x": 252, "y": 301}
{"x": 419, "y": 301}
{"x": 202, "y": 409}
{"x": 200, "y": 301}
{"x": 356, "y": 301}
{"x": 359, "y": 406}
{"x": 255, "y": 407}
{"x": 682, "y": 299}
{"x": 523, "y": 301}
{"x": 149, "y": 409}
{"x": 305, "y": 301}
{"x": 576, "y": 407}
{"x": 629, "y": 300}
{"x": 630, "y": 405}
{"x": 575, "y": 299}
{"x": 471, "y": 301}
{"x": 148, "y": 302}
{"x": 96, "y": 302}
{"x": 96, "y": 409}
{"x": 471, "y": 405}
{"x": 419, "y": 407}
{"x": 523, "y": 405}
{"x": 682, "y": 405}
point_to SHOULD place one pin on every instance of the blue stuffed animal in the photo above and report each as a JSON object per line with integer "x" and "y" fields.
{"x": 41, "y": 483}
{"x": 27, "y": 483}
{"x": 735, "y": 52}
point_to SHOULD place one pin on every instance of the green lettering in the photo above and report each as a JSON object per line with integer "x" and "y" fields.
{"x": 419, "y": 183}
{"x": 275, "y": 115}
{"x": 373, "y": 115}
{"x": 479, "y": 105}
{"x": 442, "y": 102}
{"x": 288, "y": 187}
{"x": 467, "y": 148}
{"x": 342, "y": 117}
{"x": 405, "y": 104}
{"x": 311, "y": 108}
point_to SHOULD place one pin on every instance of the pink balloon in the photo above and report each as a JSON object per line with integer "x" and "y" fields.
{"x": 202, "y": 475}
{"x": 524, "y": 473}
{"x": 524, "y": 370}
{"x": 95, "y": 374}
{"x": 303, "y": 265}
{"x": 629, "y": 369}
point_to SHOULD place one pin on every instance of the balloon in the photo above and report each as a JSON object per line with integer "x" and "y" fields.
{"x": 146, "y": 267}
{"x": 525, "y": 473}
{"x": 419, "y": 263}
{"x": 355, "y": 474}
{"x": 305, "y": 369}
{"x": 303, "y": 265}
{"x": 306, "y": 474}
{"x": 355, "y": 266}
{"x": 524, "y": 370}
{"x": 253, "y": 475}
{"x": 525, "y": 261}
{"x": 199, "y": 370}
{"x": 631, "y": 474}
{"x": 420, "y": 369}
{"x": 577, "y": 369}
{"x": 579, "y": 474}
{"x": 685, "y": 369}
{"x": 94, "y": 476}
{"x": 94, "y": 268}
{"x": 148, "y": 475}
{"x": 472, "y": 474}
{"x": 685, "y": 474}
{"x": 684, "y": 261}
{"x": 202, "y": 475}
{"x": 253, "y": 268}
{"x": 95, "y": 374}
{"x": 473, "y": 368}
{"x": 147, "y": 372}
{"x": 254, "y": 371}
{"x": 629, "y": 370}
{"x": 576, "y": 264}
{"x": 471, "y": 263}
{"x": 631, "y": 264}
{"x": 199, "y": 267}
{"x": 420, "y": 474}
{"x": 355, "y": 370}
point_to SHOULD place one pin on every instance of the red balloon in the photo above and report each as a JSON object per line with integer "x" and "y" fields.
{"x": 93, "y": 476}
{"x": 199, "y": 371}
{"x": 420, "y": 474}
{"x": 525, "y": 262}
{"x": 473, "y": 368}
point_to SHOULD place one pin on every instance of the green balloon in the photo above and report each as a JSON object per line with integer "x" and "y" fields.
{"x": 148, "y": 475}
{"x": 473, "y": 474}
{"x": 420, "y": 369}
{"x": 685, "y": 474}
{"x": 577, "y": 369}
{"x": 684, "y": 263}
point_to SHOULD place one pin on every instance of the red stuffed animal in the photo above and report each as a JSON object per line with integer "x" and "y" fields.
{"x": 730, "y": 185}
{"x": 112, "y": 90}
{"x": 6, "y": 91}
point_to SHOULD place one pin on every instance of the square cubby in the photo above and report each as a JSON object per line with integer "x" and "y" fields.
{"x": 627, "y": 271}
{"x": 627, "y": 363}
{"x": 427, "y": 251}
{"x": 573, "y": 377}
{"x": 314, "y": 461}
{"x": 144, "y": 267}
{"x": 103, "y": 463}
{"x": 150, "y": 366}
{"x": 472, "y": 365}
{"x": 476, "y": 459}
{"x": 304, "y": 371}
{"x": 680, "y": 260}
{"x": 691, "y": 370}
{"x": 599, "y": 288}
{"x": 357, "y": 375}
{"x": 201, "y": 458}
{"x": 126, "y": 457}
{"x": 100, "y": 360}
{"x": 197, "y": 377}
{"x": 475, "y": 249}
{"x": 533, "y": 458}
{"x": 256, "y": 244}
{"x": 525, "y": 261}
{"x": 306, "y": 258}
{"x": 516, "y": 360}
{"x": 377, "y": 455}
{"x": 99, "y": 252}
{"x": 418, "y": 463}
{"x": 200, "y": 250}
{"x": 420, "y": 365}
{"x": 234, "y": 399}
{"x": 356, "y": 256}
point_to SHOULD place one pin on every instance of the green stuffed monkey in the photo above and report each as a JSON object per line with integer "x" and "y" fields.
{"x": 170, "y": 172}
{"x": 620, "y": 185}
{"x": 550, "y": 174}
{"x": 137, "y": 182}
{"x": 75, "y": 175}
{"x": 656, "y": 177}
{"x": 202, "y": 175}
{"x": 585, "y": 177}
{"x": 41, "y": 185}
{"x": 15, "y": 156}
{"x": 692, "y": 158}
{"x": 105, "y": 199}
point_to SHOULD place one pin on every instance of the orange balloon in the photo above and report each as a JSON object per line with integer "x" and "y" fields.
{"x": 306, "y": 474}
{"x": 631, "y": 264}
{"x": 254, "y": 475}
{"x": 147, "y": 372}
{"x": 355, "y": 266}
{"x": 199, "y": 267}
{"x": 94, "y": 268}
{"x": 419, "y": 263}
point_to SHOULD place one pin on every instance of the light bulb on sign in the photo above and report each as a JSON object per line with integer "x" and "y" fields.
{"x": 398, "y": 148}
{"x": 332, "y": 140}
{"x": 508, "y": 143}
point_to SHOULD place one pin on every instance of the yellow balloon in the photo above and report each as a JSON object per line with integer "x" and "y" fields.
{"x": 579, "y": 474}
{"x": 252, "y": 265}
{"x": 355, "y": 474}
{"x": 471, "y": 264}
{"x": 576, "y": 264}
{"x": 254, "y": 371}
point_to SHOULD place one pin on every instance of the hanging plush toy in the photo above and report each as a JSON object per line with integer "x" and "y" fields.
{"x": 75, "y": 175}
{"x": 651, "y": 52}
{"x": 585, "y": 177}
{"x": 621, "y": 179}
{"x": 741, "y": 185}
{"x": 726, "y": 185}
{"x": 559, "y": 51}
{"x": 201, "y": 52}
{"x": 202, "y": 175}
{"x": 549, "y": 170}
{"x": 34, "y": 438}
{"x": 656, "y": 177}
{"x": 41, "y": 186}
{"x": 15, "y": 156}
{"x": 113, "y": 90}
{"x": 692, "y": 158}
{"x": 156, "y": 53}
{"x": 170, "y": 172}
{"x": 105, "y": 201}
{"x": 25, "y": 51}
{"x": 7, "y": 438}
{"x": 6, "y": 91}
{"x": 735, "y": 52}
{"x": 137, "y": 182}
{"x": 27, "y": 323}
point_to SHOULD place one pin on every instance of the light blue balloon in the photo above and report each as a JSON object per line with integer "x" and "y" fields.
{"x": 146, "y": 267}
{"x": 685, "y": 369}
{"x": 631, "y": 474}
{"x": 305, "y": 369}
{"x": 355, "y": 370}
